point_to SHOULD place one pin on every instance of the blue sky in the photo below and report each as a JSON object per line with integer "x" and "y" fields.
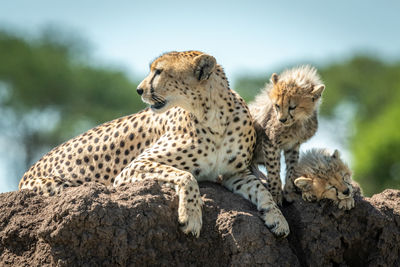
{"x": 246, "y": 37}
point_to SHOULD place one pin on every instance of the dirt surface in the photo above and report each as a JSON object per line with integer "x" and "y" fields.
{"x": 137, "y": 225}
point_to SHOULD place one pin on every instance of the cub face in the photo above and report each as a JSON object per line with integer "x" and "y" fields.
{"x": 332, "y": 182}
{"x": 292, "y": 101}
{"x": 315, "y": 188}
{"x": 175, "y": 79}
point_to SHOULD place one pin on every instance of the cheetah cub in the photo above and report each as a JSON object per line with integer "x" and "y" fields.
{"x": 324, "y": 175}
{"x": 285, "y": 114}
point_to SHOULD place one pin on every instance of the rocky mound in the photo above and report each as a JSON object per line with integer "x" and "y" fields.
{"x": 94, "y": 225}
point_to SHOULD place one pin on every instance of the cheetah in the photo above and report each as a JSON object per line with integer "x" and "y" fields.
{"x": 195, "y": 129}
{"x": 286, "y": 115}
{"x": 323, "y": 175}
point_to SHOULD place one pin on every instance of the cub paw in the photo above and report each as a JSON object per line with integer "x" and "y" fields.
{"x": 190, "y": 218}
{"x": 276, "y": 222}
{"x": 307, "y": 196}
{"x": 346, "y": 204}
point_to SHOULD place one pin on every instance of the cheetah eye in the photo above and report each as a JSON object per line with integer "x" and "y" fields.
{"x": 158, "y": 71}
{"x": 292, "y": 107}
{"x": 276, "y": 106}
{"x": 346, "y": 178}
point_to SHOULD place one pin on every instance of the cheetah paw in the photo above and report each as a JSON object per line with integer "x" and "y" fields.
{"x": 346, "y": 204}
{"x": 278, "y": 198}
{"x": 276, "y": 222}
{"x": 190, "y": 219}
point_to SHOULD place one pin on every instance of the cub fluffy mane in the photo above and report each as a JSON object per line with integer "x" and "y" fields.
{"x": 302, "y": 80}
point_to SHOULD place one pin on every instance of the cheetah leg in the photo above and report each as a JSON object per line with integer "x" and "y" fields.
{"x": 190, "y": 202}
{"x": 259, "y": 174}
{"x": 273, "y": 165}
{"x": 251, "y": 188}
{"x": 47, "y": 186}
{"x": 291, "y": 159}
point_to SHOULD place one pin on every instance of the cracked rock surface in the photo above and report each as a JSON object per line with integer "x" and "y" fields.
{"x": 94, "y": 225}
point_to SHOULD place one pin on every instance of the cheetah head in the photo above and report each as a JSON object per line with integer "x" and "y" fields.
{"x": 295, "y": 94}
{"x": 327, "y": 180}
{"x": 177, "y": 79}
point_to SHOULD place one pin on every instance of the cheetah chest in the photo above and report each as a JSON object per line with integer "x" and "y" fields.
{"x": 223, "y": 156}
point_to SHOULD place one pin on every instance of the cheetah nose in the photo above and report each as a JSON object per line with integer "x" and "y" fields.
{"x": 346, "y": 192}
{"x": 283, "y": 120}
{"x": 139, "y": 91}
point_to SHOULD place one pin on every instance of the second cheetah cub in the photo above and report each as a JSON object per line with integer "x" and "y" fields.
{"x": 286, "y": 115}
{"x": 324, "y": 175}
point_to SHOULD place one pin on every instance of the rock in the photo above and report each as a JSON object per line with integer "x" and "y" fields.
{"x": 368, "y": 235}
{"x": 94, "y": 225}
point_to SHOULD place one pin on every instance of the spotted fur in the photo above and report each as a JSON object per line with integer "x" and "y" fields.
{"x": 196, "y": 129}
{"x": 321, "y": 175}
{"x": 286, "y": 115}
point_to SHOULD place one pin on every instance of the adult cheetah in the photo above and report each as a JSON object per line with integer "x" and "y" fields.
{"x": 196, "y": 128}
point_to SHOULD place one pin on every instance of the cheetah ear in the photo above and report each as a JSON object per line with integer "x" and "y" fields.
{"x": 336, "y": 154}
{"x": 274, "y": 78}
{"x": 304, "y": 183}
{"x": 204, "y": 66}
{"x": 317, "y": 92}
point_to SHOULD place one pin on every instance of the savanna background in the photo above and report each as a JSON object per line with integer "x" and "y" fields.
{"x": 68, "y": 66}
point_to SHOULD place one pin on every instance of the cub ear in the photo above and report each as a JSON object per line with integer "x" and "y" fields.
{"x": 336, "y": 154}
{"x": 304, "y": 183}
{"x": 274, "y": 78}
{"x": 317, "y": 92}
{"x": 204, "y": 66}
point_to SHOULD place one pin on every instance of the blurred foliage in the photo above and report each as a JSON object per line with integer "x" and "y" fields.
{"x": 249, "y": 86}
{"x": 51, "y": 77}
{"x": 377, "y": 151}
{"x": 372, "y": 87}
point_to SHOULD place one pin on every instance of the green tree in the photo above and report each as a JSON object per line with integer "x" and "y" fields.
{"x": 250, "y": 86}
{"x": 377, "y": 151}
{"x": 50, "y": 92}
{"x": 372, "y": 86}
